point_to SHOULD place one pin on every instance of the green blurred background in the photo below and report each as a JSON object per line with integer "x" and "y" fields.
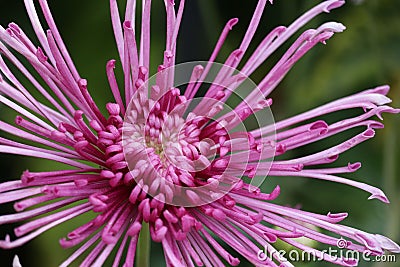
{"x": 367, "y": 54}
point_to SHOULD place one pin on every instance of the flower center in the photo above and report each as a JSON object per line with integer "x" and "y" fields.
{"x": 170, "y": 154}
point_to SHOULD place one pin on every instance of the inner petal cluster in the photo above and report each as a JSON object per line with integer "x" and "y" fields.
{"x": 172, "y": 156}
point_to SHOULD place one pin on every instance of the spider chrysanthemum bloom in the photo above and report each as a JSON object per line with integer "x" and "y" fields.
{"x": 150, "y": 161}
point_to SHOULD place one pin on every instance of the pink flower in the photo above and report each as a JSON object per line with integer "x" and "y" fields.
{"x": 151, "y": 161}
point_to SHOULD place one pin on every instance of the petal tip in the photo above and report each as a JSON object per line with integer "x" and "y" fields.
{"x": 333, "y": 5}
{"x": 380, "y": 196}
{"x": 16, "y": 262}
